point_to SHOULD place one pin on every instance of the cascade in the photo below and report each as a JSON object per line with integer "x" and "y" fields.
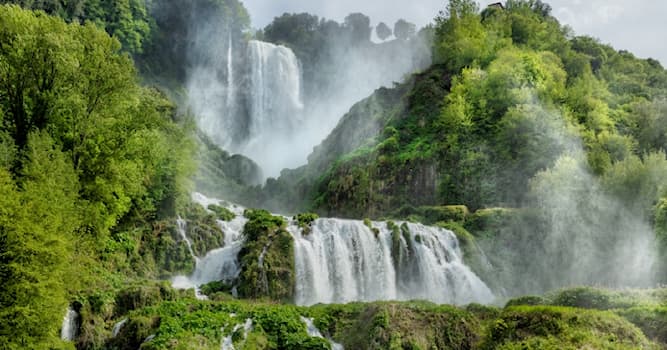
{"x": 314, "y": 332}
{"x": 275, "y": 106}
{"x": 341, "y": 261}
{"x": 69, "y": 327}
{"x": 117, "y": 327}
{"x": 230, "y": 73}
{"x": 219, "y": 264}
{"x": 228, "y": 343}
{"x": 182, "y": 230}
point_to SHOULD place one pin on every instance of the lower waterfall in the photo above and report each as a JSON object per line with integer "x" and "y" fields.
{"x": 345, "y": 260}
{"x": 341, "y": 261}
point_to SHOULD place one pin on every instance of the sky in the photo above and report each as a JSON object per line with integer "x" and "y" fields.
{"x": 637, "y": 26}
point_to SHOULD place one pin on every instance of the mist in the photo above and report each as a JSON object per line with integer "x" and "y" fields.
{"x": 273, "y": 104}
{"x": 571, "y": 229}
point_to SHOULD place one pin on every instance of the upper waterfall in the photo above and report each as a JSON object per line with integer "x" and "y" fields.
{"x": 254, "y": 109}
{"x": 275, "y": 105}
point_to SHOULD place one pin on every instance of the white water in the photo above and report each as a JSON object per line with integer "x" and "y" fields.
{"x": 342, "y": 261}
{"x": 69, "y": 326}
{"x": 314, "y": 332}
{"x": 275, "y": 106}
{"x": 117, "y": 327}
{"x": 219, "y": 264}
{"x": 228, "y": 343}
{"x": 231, "y": 89}
{"x": 182, "y": 227}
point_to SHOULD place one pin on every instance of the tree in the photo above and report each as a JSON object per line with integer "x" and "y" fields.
{"x": 404, "y": 30}
{"x": 359, "y": 26}
{"x": 383, "y": 31}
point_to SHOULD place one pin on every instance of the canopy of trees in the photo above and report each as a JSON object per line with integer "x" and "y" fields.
{"x": 82, "y": 148}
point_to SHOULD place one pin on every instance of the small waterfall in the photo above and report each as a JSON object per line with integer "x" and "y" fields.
{"x": 228, "y": 343}
{"x": 344, "y": 260}
{"x": 230, "y": 72}
{"x": 70, "y": 324}
{"x": 314, "y": 332}
{"x": 219, "y": 264}
{"x": 182, "y": 230}
{"x": 117, "y": 327}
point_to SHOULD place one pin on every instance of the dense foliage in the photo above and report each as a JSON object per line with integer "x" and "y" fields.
{"x": 568, "y": 319}
{"x": 83, "y": 147}
{"x": 524, "y": 92}
{"x": 516, "y": 111}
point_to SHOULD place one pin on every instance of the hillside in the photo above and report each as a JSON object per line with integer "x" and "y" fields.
{"x": 470, "y": 202}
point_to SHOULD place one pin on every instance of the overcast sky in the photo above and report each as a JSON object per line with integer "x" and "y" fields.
{"x": 638, "y": 25}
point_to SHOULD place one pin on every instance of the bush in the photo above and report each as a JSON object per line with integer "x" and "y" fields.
{"x": 222, "y": 213}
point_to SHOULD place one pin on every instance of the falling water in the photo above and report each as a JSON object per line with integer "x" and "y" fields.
{"x": 228, "y": 343}
{"x": 230, "y": 73}
{"x": 314, "y": 332}
{"x": 344, "y": 260}
{"x": 341, "y": 261}
{"x": 275, "y": 106}
{"x": 219, "y": 264}
{"x": 182, "y": 230}
{"x": 117, "y": 327}
{"x": 69, "y": 326}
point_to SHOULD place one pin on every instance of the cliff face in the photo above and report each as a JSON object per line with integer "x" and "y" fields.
{"x": 348, "y": 175}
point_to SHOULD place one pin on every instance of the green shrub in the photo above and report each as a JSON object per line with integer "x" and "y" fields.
{"x": 433, "y": 214}
{"x": 222, "y": 213}
{"x": 305, "y": 221}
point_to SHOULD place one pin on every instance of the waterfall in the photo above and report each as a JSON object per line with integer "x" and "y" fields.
{"x": 275, "y": 106}
{"x": 275, "y": 79}
{"x": 228, "y": 343}
{"x": 182, "y": 230}
{"x": 314, "y": 332}
{"x": 230, "y": 73}
{"x": 219, "y": 264}
{"x": 69, "y": 327}
{"x": 341, "y": 261}
{"x": 344, "y": 260}
{"x": 117, "y": 327}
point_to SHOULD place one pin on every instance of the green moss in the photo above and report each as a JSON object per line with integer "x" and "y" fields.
{"x": 369, "y": 224}
{"x": 538, "y": 327}
{"x": 652, "y": 320}
{"x": 222, "y": 213}
{"x": 433, "y": 214}
{"x": 528, "y": 300}
{"x": 215, "y": 287}
{"x": 305, "y": 221}
{"x": 267, "y": 258}
{"x": 490, "y": 221}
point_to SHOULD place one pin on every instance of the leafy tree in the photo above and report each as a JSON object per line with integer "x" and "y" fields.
{"x": 359, "y": 26}
{"x": 36, "y": 226}
{"x": 383, "y": 31}
{"x": 404, "y": 30}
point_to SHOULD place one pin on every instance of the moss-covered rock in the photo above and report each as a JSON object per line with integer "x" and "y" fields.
{"x": 222, "y": 213}
{"x": 490, "y": 221}
{"x": 143, "y": 295}
{"x": 305, "y": 221}
{"x": 652, "y": 320}
{"x": 548, "y": 327}
{"x": 267, "y": 258}
{"x": 445, "y": 213}
{"x": 202, "y": 227}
